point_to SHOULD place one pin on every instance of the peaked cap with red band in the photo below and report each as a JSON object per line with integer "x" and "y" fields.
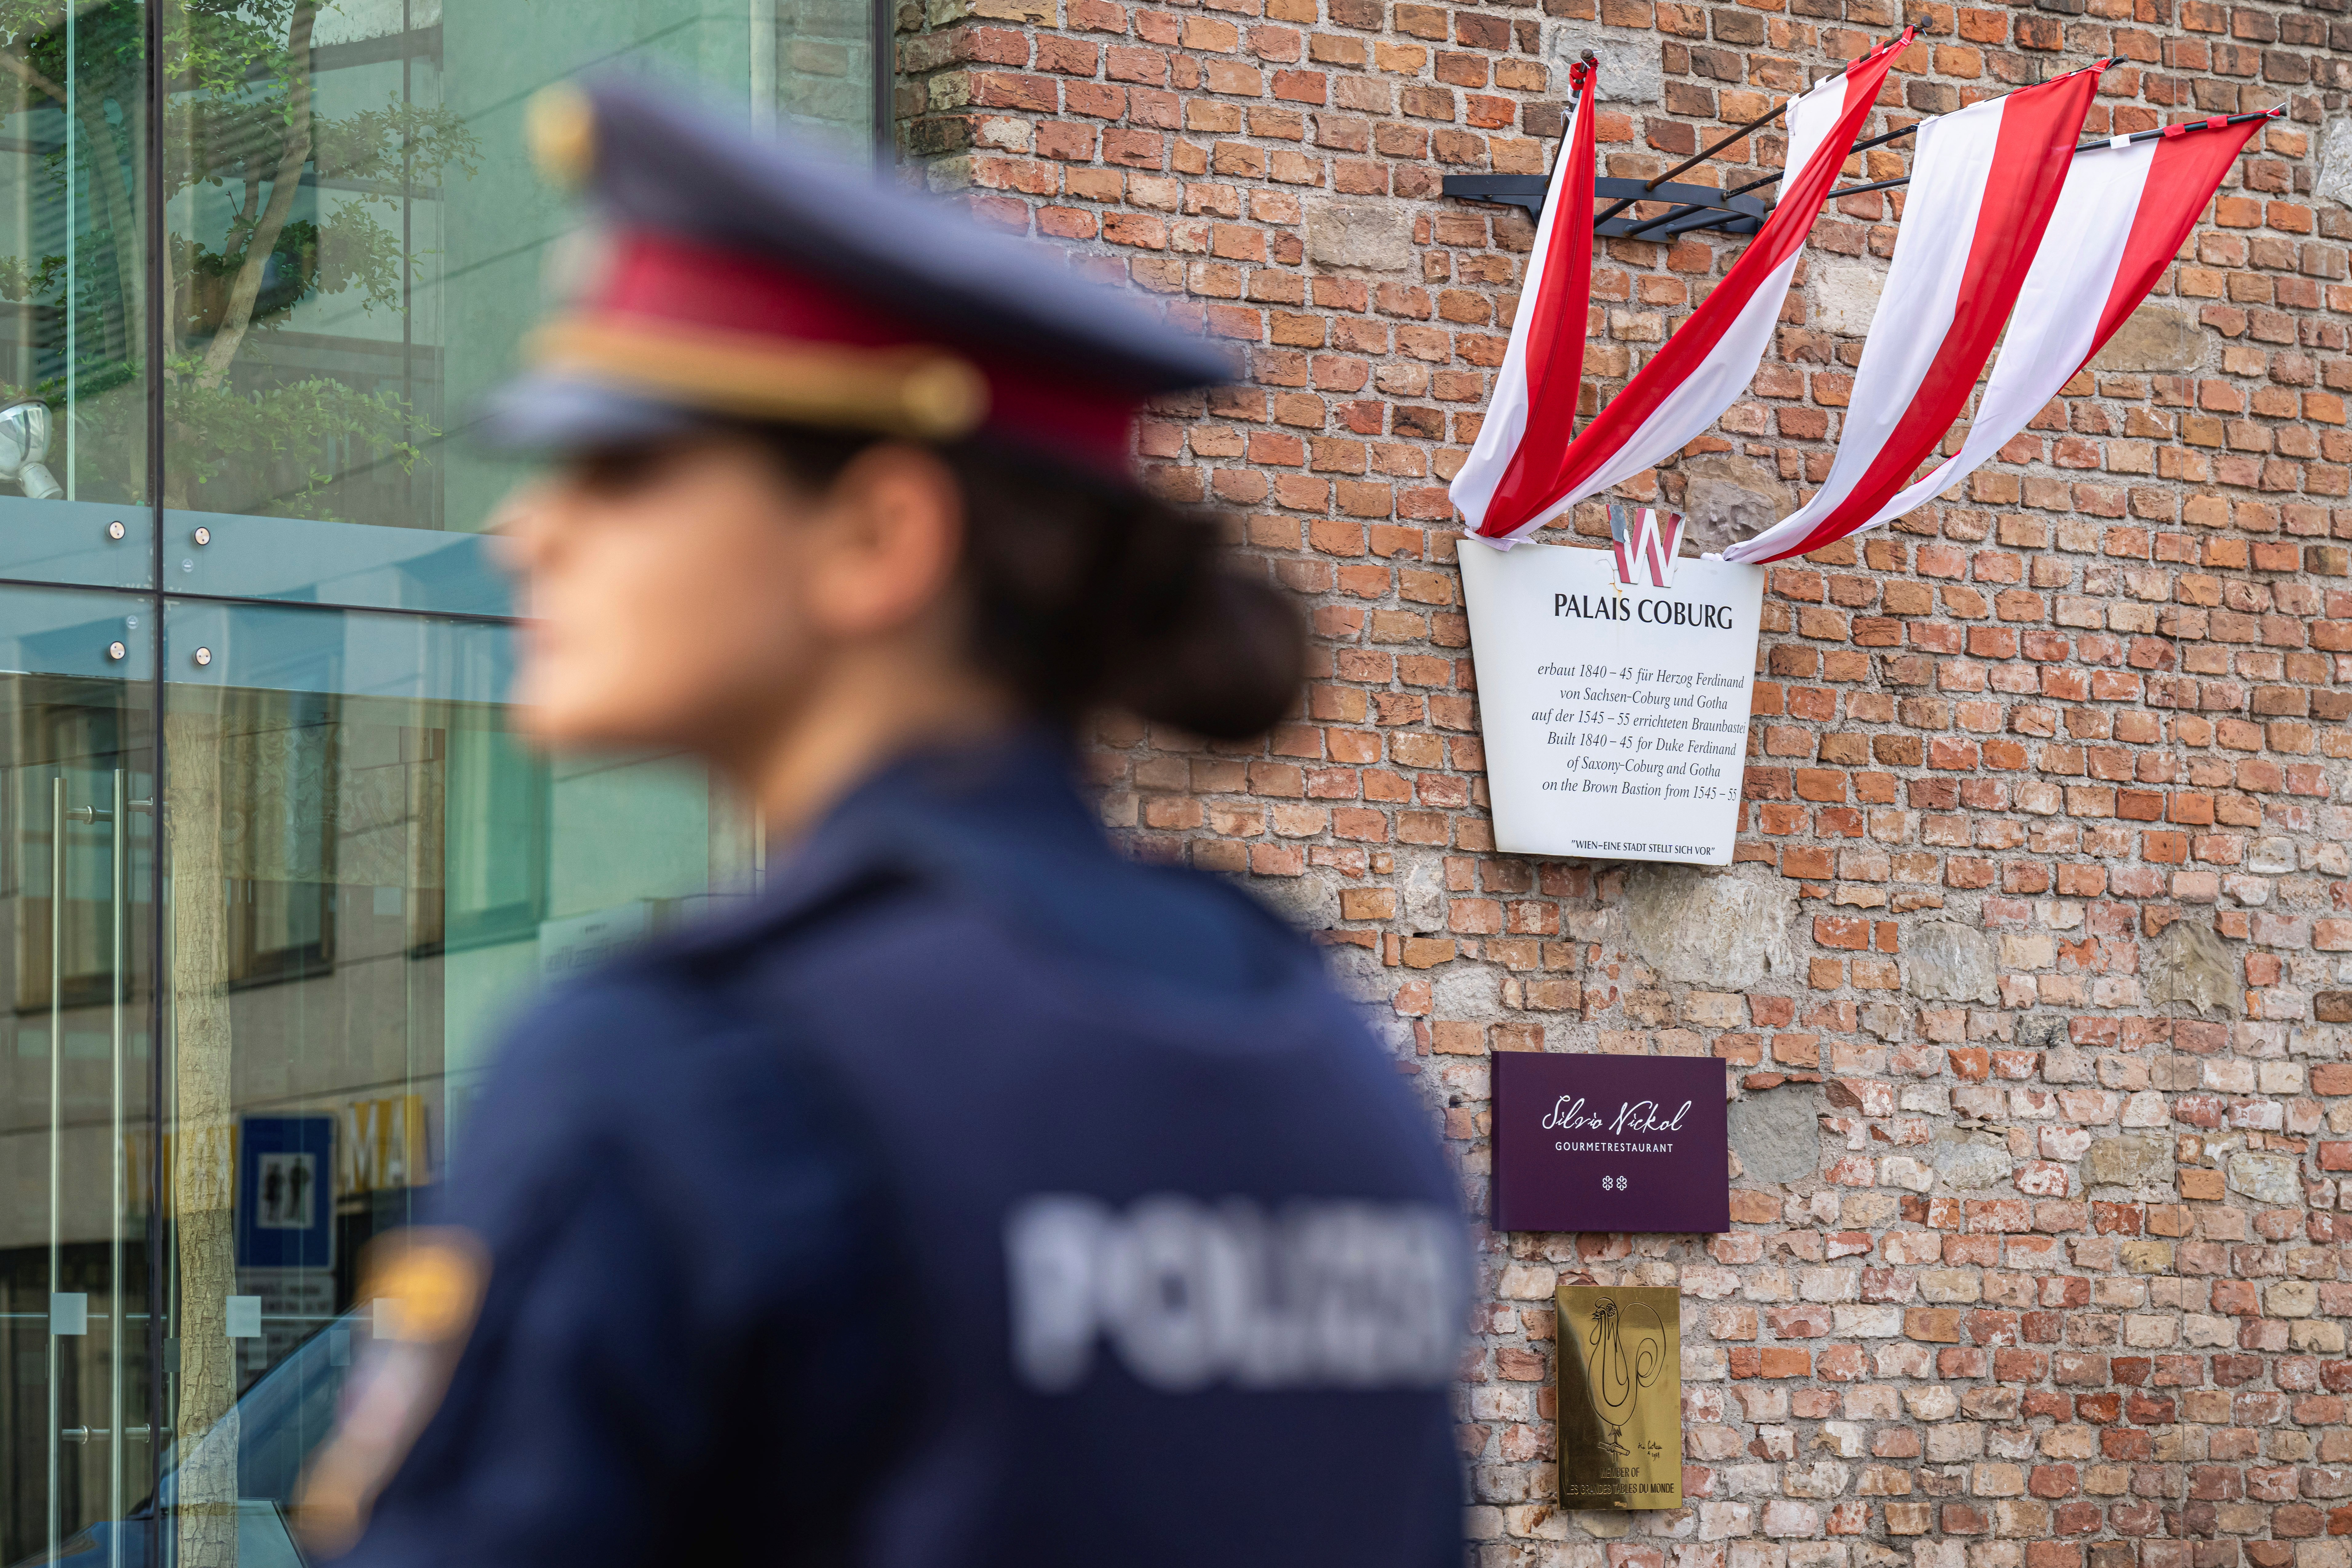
{"x": 750, "y": 278}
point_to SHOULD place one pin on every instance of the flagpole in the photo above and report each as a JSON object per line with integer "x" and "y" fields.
{"x": 2214, "y": 122}
{"x": 1695, "y": 160}
{"x": 1774, "y": 178}
{"x": 1642, "y": 227}
{"x": 1705, "y": 153}
{"x": 1648, "y": 224}
{"x": 1738, "y": 135}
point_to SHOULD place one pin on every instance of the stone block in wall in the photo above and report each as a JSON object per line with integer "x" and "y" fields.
{"x": 1845, "y": 292}
{"x": 1725, "y": 930}
{"x": 2334, "y": 181}
{"x": 2191, "y": 967}
{"x": 1971, "y": 1161}
{"x": 2141, "y": 1162}
{"x": 2273, "y": 1179}
{"x": 1631, "y": 70}
{"x": 1421, "y": 878}
{"x": 1359, "y": 237}
{"x": 1727, "y": 499}
{"x": 1777, "y": 1135}
{"x": 2156, "y": 337}
{"x": 1948, "y": 961}
{"x": 1310, "y": 902}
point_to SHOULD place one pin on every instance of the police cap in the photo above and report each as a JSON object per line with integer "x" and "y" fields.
{"x": 746, "y": 277}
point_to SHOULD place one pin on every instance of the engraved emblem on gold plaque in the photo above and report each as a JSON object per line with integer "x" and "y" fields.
{"x": 1621, "y": 1396}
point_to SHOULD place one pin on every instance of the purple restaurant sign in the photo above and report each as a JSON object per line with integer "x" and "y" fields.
{"x": 1595, "y": 1143}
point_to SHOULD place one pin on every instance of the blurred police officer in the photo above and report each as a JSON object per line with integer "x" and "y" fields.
{"x": 979, "y": 1196}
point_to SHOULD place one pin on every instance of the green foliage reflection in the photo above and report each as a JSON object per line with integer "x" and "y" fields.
{"x": 242, "y": 120}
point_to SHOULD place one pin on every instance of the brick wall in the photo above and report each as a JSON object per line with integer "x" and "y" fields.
{"x": 2044, "y": 779}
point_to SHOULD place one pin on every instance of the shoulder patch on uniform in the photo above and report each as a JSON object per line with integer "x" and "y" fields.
{"x": 426, "y": 1283}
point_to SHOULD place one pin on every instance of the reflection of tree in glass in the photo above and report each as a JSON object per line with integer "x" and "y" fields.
{"x": 240, "y": 116}
{"x": 1614, "y": 1374}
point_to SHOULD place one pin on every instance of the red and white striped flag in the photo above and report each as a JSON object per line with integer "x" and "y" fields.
{"x": 2127, "y": 208}
{"x": 1983, "y": 186}
{"x": 1524, "y": 469}
{"x": 1543, "y": 369}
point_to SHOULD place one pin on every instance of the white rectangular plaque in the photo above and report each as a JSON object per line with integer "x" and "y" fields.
{"x": 1615, "y": 717}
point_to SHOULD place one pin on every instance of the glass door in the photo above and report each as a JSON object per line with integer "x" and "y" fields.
{"x": 75, "y": 923}
{"x": 272, "y": 884}
{"x": 369, "y": 874}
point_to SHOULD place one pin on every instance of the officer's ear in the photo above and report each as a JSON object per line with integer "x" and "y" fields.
{"x": 883, "y": 541}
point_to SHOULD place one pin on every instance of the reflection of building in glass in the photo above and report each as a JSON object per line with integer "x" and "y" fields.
{"x": 355, "y": 873}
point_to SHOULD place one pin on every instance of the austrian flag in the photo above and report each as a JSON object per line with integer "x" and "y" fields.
{"x": 2120, "y": 221}
{"x": 2008, "y": 222}
{"x": 1534, "y": 408}
{"x": 1525, "y": 469}
{"x": 1984, "y": 183}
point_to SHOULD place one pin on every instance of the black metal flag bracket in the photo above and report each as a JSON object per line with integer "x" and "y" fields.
{"x": 1695, "y": 206}
{"x": 1701, "y": 206}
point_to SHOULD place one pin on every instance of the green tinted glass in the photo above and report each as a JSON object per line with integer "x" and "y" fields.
{"x": 273, "y": 876}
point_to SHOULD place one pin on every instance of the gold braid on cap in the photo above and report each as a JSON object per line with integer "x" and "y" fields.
{"x": 925, "y": 393}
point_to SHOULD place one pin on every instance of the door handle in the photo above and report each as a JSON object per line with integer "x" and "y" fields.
{"x": 98, "y": 1434}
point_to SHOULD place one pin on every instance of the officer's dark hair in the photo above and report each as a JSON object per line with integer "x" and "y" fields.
{"x": 1086, "y": 591}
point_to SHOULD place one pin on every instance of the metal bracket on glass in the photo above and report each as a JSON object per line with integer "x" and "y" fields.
{"x": 1695, "y": 206}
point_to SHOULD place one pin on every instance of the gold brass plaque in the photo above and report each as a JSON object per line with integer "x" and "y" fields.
{"x": 1621, "y": 1396}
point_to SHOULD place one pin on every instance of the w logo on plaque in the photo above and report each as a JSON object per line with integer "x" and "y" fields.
{"x": 1621, "y": 1395}
{"x": 1647, "y": 542}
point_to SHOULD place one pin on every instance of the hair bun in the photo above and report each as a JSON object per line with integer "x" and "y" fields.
{"x": 1227, "y": 664}
{"x": 1083, "y": 590}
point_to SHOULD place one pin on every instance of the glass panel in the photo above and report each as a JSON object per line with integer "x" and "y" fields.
{"x": 311, "y": 562}
{"x": 368, "y": 874}
{"x": 361, "y": 241}
{"x": 74, "y": 295}
{"x": 76, "y": 873}
{"x": 821, "y": 61}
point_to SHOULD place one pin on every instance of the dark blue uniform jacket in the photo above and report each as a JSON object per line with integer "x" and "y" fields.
{"x": 977, "y": 1198}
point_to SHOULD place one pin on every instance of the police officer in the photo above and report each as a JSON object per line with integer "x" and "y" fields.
{"x": 979, "y": 1196}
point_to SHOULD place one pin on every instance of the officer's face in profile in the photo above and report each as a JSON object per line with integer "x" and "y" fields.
{"x": 692, "y": 596}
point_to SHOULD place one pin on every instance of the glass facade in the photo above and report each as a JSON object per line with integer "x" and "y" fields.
{"x": 273, "y": 867}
